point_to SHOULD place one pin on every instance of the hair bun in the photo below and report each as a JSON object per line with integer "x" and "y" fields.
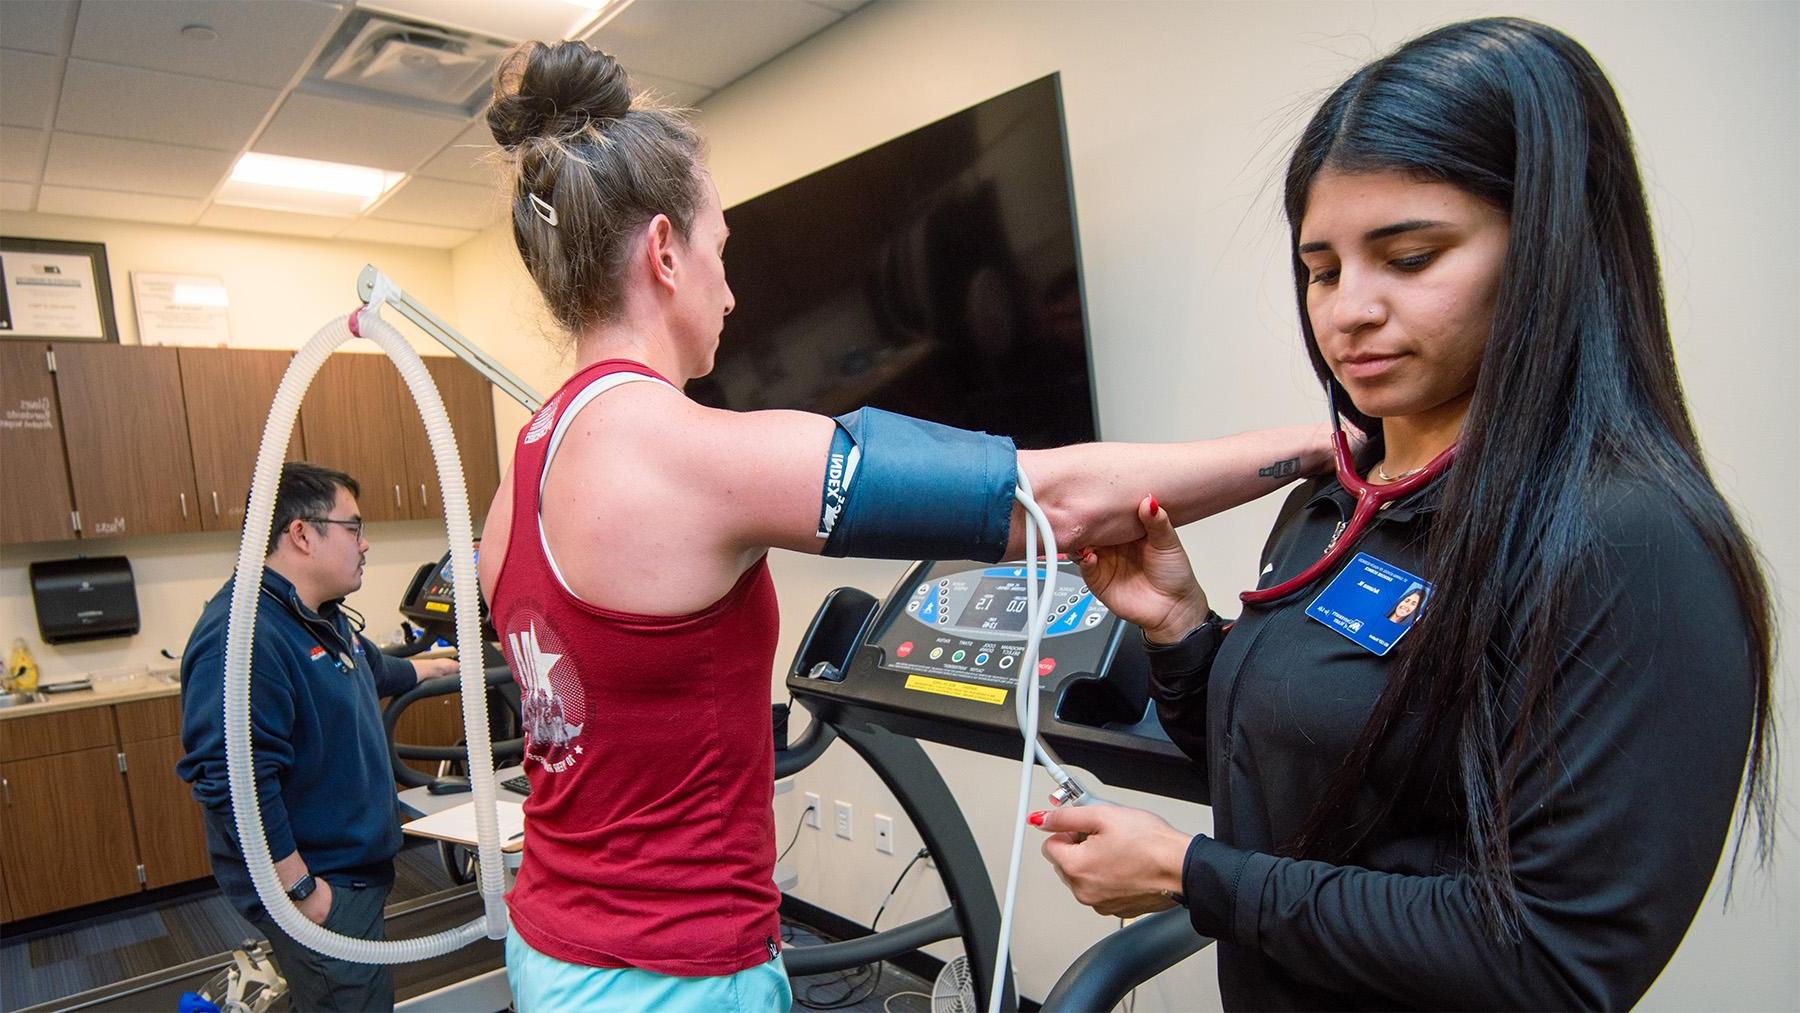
{"x": 552, "y": 91}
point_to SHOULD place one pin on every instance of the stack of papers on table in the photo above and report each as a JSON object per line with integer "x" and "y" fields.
{"x": 457, "y": 825}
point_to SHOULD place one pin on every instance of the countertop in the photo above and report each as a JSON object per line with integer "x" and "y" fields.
{"x": 158, "y": 683}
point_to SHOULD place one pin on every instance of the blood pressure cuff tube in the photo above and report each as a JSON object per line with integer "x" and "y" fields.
{"x": 903, "y": 488}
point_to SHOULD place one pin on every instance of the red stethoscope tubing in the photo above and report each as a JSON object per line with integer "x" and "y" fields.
{"x": 1370, "y": 500}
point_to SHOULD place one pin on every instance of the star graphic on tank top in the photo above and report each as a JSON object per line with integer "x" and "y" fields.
{"x": 538, "y": 662}
{"x": 578, "y": 749}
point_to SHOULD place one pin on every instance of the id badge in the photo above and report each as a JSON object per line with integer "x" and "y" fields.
{"x": 1371, "y": 603}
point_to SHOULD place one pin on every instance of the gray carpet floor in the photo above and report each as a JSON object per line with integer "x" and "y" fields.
{"x": 61, "y": 960}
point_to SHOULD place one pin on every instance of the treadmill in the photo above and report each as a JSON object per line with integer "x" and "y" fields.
{"x": 937, "y": 661}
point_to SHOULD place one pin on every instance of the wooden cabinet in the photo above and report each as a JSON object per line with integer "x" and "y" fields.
{"x": 67, "y": 833}
{"x": 34, "y": 496}
{"x": 228, "y": 393}
{"x": 93, "y": 808}
{"x": 351, "y": 420}
{"x": 359, "y": 417}
{"x": 139, "y": 441}
{"x": 469, "y": 403}
{"x": 171, "y": 825}
{"x": 6, "y": 914}
{"x": 125, "y": 428}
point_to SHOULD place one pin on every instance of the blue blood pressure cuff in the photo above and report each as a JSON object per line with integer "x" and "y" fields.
{"x": 903, "y": 488}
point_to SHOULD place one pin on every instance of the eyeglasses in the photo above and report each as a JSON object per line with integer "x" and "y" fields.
{"x": 355, "y": 525}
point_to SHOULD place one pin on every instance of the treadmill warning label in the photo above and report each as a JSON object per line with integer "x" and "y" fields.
{"x": 960, "y": 690}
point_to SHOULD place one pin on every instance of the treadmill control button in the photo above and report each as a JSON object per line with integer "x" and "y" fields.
{"x": 1006, "y": 661}
{"x": 981, "y": 659}
{"x": 1046, "y": 666}
{"x": 936, "y": 653}
{"x": 904, "y": 649}
{"x": 959, "y": 656}
{"x": 1093, "y": 619}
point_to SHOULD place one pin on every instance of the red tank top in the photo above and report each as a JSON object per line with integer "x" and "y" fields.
{"x": 650, "y": 838}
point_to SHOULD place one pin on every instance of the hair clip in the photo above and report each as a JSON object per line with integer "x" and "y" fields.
{"x": 542, "y": 209}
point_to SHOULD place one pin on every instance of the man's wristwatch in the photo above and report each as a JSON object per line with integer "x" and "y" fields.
{"x": 302, "y": 888}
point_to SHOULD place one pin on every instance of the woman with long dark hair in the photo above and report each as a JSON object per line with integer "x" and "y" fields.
{"x": 1520, "y": 799}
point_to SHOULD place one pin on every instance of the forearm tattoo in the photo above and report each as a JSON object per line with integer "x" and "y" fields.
{"x": 1280, "y": 469}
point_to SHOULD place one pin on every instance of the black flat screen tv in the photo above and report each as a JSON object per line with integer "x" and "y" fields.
{"x": 935, "y": 275}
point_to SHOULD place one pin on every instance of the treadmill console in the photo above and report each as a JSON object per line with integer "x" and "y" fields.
{"x": 430, "y": 601}
{"x": 968, "y": 627}
{"x": 940, "y": 658}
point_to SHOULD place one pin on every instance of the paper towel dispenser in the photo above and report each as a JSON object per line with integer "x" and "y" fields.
{"x": 84, "y": 598}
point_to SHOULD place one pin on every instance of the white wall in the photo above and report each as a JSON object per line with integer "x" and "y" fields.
{"x": 1179, "y": 117}
{"x": 282, "y": 291}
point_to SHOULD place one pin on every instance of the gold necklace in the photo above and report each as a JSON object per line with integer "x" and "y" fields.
{"x": 1381, "y": 472}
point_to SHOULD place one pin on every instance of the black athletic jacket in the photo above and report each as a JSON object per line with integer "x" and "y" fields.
{"x": 1615, "y": 833}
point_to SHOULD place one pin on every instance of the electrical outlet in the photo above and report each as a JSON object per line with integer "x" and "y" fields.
{"x": 812, "y": 810}
{"x": 844, "y": 813}
{"x": 884, "y": 834}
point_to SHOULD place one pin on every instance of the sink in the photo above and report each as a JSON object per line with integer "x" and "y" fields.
{"x": 15, "y": 699}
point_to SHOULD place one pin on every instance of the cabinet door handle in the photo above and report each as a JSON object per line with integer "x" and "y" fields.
{"x": 423, "y": 499}
{"x": 215, "y": 494}
{"x": 397, "y": 500}
{"x": 4, "y": 783}
{"x": 184, "y": 512}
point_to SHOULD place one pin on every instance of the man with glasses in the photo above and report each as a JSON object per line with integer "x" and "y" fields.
{"x": 321, "y": 756}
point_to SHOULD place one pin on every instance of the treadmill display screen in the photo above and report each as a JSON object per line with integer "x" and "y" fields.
{"x": 998, "y": 604}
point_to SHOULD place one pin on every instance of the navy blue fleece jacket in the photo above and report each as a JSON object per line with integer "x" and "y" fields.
{"x": 321, "y": 757}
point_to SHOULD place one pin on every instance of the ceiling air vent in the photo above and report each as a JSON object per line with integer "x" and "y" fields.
{"x": 378, "y": 58}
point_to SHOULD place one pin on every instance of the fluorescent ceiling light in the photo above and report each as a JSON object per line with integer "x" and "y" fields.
{"x": 305, "y": 185}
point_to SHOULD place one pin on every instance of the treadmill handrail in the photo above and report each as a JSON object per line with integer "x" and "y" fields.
{"x": 1103, "y": 975}
{"x": 887, "y": 944}
{"x": 497, "y": 675}
{"x": 813, "y": 742}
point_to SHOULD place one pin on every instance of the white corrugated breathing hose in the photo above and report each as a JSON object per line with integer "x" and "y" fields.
{"x": 239, "y": 643}
{"x": 1037, "y": 610}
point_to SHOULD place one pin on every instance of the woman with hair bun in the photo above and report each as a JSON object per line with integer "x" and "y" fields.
{"x": 1519, "y": 799}
{"x": 628, "y": 581}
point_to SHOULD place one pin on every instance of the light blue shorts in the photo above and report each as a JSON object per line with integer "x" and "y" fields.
{"x": 543, "y": 984}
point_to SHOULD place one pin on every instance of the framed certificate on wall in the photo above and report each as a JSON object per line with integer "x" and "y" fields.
{"x": 55, "y": 290}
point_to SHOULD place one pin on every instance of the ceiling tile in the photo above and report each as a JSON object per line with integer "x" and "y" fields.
{"x": 436, "y": 202}
{"x": 21, "y": 154}
{"x": 15, "y": 196}
{"x": 508, "y": 19}
{"x": 287, "y": 223}
{"x": 263, "y": 44}
{"x": 149, "y": 105}
{"x": 28, "y": 84}
{"x": 669, "y": 90}
{"x": 130, "y": 207}
{"x": 710, "y": 42}
{"x": 110, "y": 163}
{"x": 38, "y": 25}
{"x": 313, "y": 126}
{"x": 406, "y": 234}
{"x": 468, "y": 159}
